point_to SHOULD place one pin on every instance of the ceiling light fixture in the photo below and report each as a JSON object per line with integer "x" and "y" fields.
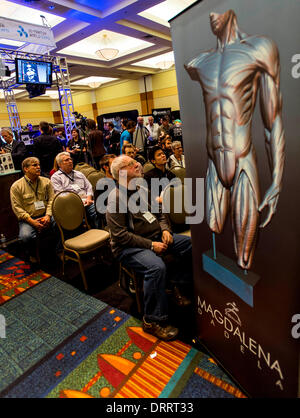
{"x": 107, "y": 53}
{"x": 94, "y": 84}
{"x": 164, "y": 65}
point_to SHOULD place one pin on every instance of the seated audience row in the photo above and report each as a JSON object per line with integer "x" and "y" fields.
{"x": 142, "y": 248}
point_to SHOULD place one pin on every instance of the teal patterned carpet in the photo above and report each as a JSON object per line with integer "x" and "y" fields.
{"x": 60, "y": 342}
{"x": 39, "y": 320}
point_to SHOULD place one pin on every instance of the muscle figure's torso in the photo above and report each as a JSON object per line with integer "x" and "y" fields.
{"x": 229, "y": 79}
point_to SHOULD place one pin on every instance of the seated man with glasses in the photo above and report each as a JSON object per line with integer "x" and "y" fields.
{"x": 140, "y": 240}
{"x": 65, "y": 179}
{"x": 31, "y": 200}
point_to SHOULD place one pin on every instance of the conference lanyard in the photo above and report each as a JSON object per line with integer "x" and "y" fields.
{"x": 32, "y": 188}
{"x": 69, "y": 177}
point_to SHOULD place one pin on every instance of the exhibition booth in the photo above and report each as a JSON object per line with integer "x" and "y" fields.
{"x": 237, "y": 67}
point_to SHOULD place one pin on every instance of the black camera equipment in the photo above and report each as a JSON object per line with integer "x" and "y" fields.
{"x": 80, "y": 121}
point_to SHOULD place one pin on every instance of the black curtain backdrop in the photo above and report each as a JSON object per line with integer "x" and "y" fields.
{"x": 257, "y": 348}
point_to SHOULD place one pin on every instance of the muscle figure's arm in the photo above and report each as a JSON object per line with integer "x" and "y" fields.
{"x": 271, "y": 105}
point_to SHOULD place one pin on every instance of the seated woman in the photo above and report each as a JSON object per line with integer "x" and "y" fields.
{"x": 177, "y": 158}
{"x": 76, "y": 147}
{"x": 54, "y": 168}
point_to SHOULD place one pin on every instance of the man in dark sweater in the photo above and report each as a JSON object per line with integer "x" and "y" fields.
{"x": 46, "y": 147}
{"x": 140, "y": 240}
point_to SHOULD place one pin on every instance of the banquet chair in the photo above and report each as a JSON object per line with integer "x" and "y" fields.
{"x": 147, "y": 167}
{"x": 69, "y": 214}
{"x": 179, "y": 172}
{"x": 132, "y": 283}
{"x": 93, "y": 178}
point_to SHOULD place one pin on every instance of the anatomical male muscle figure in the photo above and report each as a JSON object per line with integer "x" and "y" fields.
{"x": 231, "y": 76}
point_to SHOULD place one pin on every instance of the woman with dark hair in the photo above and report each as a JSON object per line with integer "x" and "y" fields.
{"x": 95, "y": 141}
{"x": 76, "y": 147}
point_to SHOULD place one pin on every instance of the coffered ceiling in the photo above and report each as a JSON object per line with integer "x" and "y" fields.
{"x": 138, "y": 29}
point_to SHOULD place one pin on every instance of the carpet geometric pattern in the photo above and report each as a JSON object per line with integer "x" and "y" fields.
{"x": 16, "y": 277}
{"x": 62, "y": 343}
{"x": 37, "y": 321}
{"x": 112, "y": 357}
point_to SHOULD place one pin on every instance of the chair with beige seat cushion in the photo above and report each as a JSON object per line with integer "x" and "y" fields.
{"x": 69, "y": 214}
{"x": 179, "y": 172}
{"x": 85, "y": 169}
{"x": 147, "y": 167}
{"x": 93, "y": 178}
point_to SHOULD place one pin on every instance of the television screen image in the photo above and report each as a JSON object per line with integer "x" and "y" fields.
{"x": 33, "y": 72}
{"x": 26, "y": 138}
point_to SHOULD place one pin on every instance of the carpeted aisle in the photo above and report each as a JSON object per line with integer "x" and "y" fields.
{"x": 62, "y": 343}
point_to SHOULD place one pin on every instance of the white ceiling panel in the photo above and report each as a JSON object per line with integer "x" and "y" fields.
{"x": 139, "y": 29}
{"x": 27, "y": 14}
{"x": 166, "y": 10}
{"x": 87, "y": 47}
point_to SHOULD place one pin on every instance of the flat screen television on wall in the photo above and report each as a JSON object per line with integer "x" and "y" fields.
{"x": 33, "y": 72}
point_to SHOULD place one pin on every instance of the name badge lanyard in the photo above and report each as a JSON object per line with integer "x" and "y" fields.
{"x": 75, "y": 187}
{"x": 36, "y": 187}
{"x": 69, "y": 177}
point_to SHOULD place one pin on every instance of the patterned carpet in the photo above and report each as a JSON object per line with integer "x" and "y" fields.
{"x": 61, "y": 343}
{"x": 37, "y": 321}
{"x": 16, "y": 277}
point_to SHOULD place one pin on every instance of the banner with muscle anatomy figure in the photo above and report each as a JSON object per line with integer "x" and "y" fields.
{"x": 239, "y": 101}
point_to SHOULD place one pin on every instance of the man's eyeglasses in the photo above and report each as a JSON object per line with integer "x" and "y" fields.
{"x": 131, "y": 164}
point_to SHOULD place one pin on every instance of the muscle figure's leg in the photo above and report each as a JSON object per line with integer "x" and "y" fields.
{"x": 244, "y": 209}
{"x": 217, "y": 200}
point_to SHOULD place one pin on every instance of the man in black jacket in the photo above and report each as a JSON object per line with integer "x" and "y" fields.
{"x": 140, "y": 240}
{"x": 159, "y": 171}
{"x": 16, "y": 148}
{"x": 46, "y": 147}
{"x": 113, "y": 138}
